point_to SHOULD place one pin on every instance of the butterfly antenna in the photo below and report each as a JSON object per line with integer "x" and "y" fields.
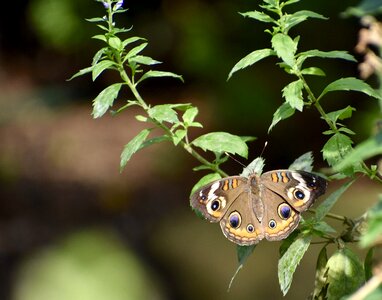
{"x": 239, "y": 162}
{"x": 262, "y": 151}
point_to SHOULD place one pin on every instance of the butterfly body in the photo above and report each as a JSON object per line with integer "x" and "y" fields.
{"x": 252, "y": 208}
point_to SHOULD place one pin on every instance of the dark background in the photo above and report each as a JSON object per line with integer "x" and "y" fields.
{"x": 72, "y": 226}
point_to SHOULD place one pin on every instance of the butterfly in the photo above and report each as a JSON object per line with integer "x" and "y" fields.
{"x": 252, "y": 208}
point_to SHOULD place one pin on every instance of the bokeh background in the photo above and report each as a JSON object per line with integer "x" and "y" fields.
{"x": 73, "y": 227}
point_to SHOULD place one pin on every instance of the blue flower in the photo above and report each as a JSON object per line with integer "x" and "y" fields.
{"x": 118, "y": 5}
{"x": 106, "y": 4}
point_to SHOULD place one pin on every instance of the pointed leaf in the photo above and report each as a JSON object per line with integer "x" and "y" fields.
{"x": 243, "y": 252}
{"x": 303, "y": 163}
{"x": 189, "y": 115}
{"x": 285, "y": 48}
{"x": 341, "y": 114}
{"x": 150, "y": 74}
{"x": 293, "y": 94}
{"x": 222, "y": 142}
{"x": 179, "y": 135}
{"x": 289, "y": 261}
{"x": 300, "y": 16}
{"x": 163, "y": 113}
{"x": 115, "y": 42}
{"x": 133, "y": 146}
{"x": 105, "y": 99}
{"x": 100, "y": 67}
{"x": 259, "y": 16}
{"x": 82, "y": 72}
{"x": 283, "y": 112}
{"x": 329, "y": 202}
{"x": 313, "y": 71}
{"x": 336, "y": 148}
{"x": 256, "y": 166}
{"x": 302, "y": 56}
{"x": 250, "y": 59}
{"x": 154, "y": 140}
{"x": 351, "y": 84}
{"x": 131, "y": 40}
{"x": 136, "y": 50}
{"x": 144, "y": 60}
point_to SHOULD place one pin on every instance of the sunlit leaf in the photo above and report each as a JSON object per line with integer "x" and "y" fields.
{"x": 259, "y": 16}
{"x": 163, "y": 113}
{"x": 133, "y": 146}
{"x": 222, "y": 142}
{"x": 336, "y": 148}
{"x": 283, "y": 112}
{"x": 341, "y": 114}
{"x": 313, "y": 71}
{"x": 82, "y": 72}
{"x": 300, "y": 16}
{"x": 293, "y": 94}
{"x": 189, "y": 115}
{"x": 302, "y": 56}
{"x": 150, "y": 74}
{"x": 100, "y": 67}
{"x": 290, "y": 260}
{"x": 250, "y": 59}
{"x": 285, "y": 48}
{"x": 105, "y": 99}
{"x": 256, "y": 166}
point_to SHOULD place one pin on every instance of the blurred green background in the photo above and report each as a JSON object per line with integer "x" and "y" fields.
{"x": 73, "y": 227}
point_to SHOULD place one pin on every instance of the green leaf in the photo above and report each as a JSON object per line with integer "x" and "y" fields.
{"x": 105, "y": 99}
{"x": 179, "y": 135}
{"x": 256, "y": 166}
{"x": 285, "y": 244}
{"x": 373, "y": 233}
{"x": 368, "y": 264}
{"x": 303, "y": 163}
{"x": 250, "y": 59}
{"x": 367, "y": 149}
{"x": 285, "y": 48}
{"x": 289, "y": 261}
{"x": 345, "y": 274}
{"x": 259, "y": 16}
{"x": 100, "y": 37}
{"x": 189, "y": 115}
{"x": 336, "y": 148}
{"x": 293, "y": 94}
{"x": 341, "y": 114}
{"x": 163, "y": 113}
{"x": 155, "y": 140}
{"x": 116, "y": 43}
{"x": 329, "y": 202}
{"x": 320, "y": 284}
{"x": 131, "y": 40}
{"x": 222, "y": 142}
{"x": 313, "y": 71}
{"x": 243, "y": 252}
{"x": 133, "y": 146}
{"x": 350, "y": 84}
{"x": 82, "y": 72}
{"x": 302, "y": 56}
{"x": 100, "y": 67}
{"x": 283, "y": 112}
{"x": 300, "y": 16}
{"x": 204, "y": 181}
{"x": 144, "y": 60}
{"x": 100, "y": 54}
{"x": 136, "y": 50}
{"x": 150, "y": 74}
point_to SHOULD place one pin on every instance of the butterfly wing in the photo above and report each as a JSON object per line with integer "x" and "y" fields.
{"x": 213, "y": 200}
{"x": 299, "y": 188}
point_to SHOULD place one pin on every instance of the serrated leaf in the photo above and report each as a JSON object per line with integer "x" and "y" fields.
{"x": 303, "y": 163}
{"x": 300, "y": 16}
{"x": 256, "y": 166}
{"x": 163, "y": 113}
{"x": 320, "y": 284}
{"x": 144, "y": 60}
{"x": 313, "y": 71}
{"x": 285, "y": 48}
{"x": 82, "y": 72}
{"x": 367, "y": 149}
{"x": 150, "y": 74}
{"x": 189, "y": 115}
{"x": 350, "y": 84}
{"x": 259, "y": 16}
{"x": 283, "y": 112}
{"x": 133, "y": 146}
{"x": 289, "y": 261}
{"x": 222, "y": 142}
{"x": 341, "y": 114}
{"x": 345, "y": 274}
{"x": 100, "y": 67}
{"x": 105, "y": 99}
{"x": 329, "y": 202}
{"x": 336, "y": 148}
{"x": 373, "y": 234}
{"x": 250, "y": 59}
{"x": 302, "y": 56}
{"x": 293, "y": 94}
{"x": 204, "y": 181}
